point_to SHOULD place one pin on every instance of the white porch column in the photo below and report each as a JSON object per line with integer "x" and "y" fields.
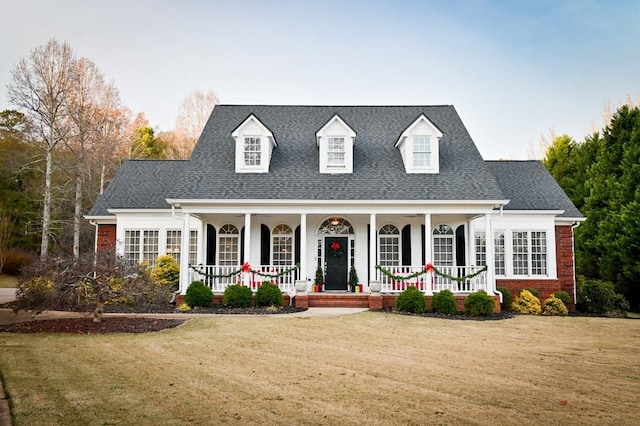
{"x": 488, "y": 232}
{"x": 247, "y": 247}
{"x": 303, "y": 246}
{"x": 373, "y": 243}
{"x": 184, "y": 253}
{"x": 428, "y": 250}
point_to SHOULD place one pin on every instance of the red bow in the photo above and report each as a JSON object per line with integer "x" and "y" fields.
{"x": 246, "y": 267}
{"x": 428, "y": 267}
{"x": 335, "y": 246}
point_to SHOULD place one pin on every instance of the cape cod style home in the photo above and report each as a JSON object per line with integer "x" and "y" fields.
{"x": 274, "y": 193}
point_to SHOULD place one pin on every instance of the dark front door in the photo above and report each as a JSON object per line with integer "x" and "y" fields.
{"x": 335, "y": 258}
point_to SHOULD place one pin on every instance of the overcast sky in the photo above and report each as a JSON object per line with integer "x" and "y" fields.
{"x": 513, "y": 69}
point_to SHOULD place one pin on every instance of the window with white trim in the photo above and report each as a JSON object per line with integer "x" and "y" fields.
{"x": 498, "y": 247}
{"x": 228, "y": 245}
{"x": 389, "y": 245}
{"x": 132, "y": 246}
{"x": 282, "y": 245}
{"x": 150, "y": 247}
{"x": 443, "y": 245}
{"x": 193, "y": 247}
{"x": 174, "y": 244}
{"x": 421, "y": 151}
{"x": 538, "y": 253}
{"x": 520, "y": 256}
{"x": 481, "y": 248}
{"x": 252, "y": 151}
{"x": 335, "y": 152}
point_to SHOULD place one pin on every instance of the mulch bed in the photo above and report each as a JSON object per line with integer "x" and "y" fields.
{"x": 87, "y": 326}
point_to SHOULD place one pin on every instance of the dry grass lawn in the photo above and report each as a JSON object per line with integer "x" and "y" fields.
{"x": 8, "y": 281}
{"x": 368, "y": 368}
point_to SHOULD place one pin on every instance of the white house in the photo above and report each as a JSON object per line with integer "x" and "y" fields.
{"x": 383, "y": 189}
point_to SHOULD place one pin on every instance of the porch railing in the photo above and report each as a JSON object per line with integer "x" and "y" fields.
{"x": 207, "y": 274}
{"x": 432, "y": 282}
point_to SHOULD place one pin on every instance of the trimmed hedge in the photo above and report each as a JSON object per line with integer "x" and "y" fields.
{"x": 507, "y": 298}
{"x": 268, "y": 294}
{"x": 479, "y": 304}
{"x": 554, "y": 306}
{"x": 526, "y": 303}
{"x": 237, "y": 296}
{"x": 198, "y": 294}
{"x": 444, "y": 302}
{"x": 411, "y": 300}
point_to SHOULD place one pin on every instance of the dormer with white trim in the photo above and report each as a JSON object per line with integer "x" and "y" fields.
{"x": 335, "y": 142}
{"x": 254, "y": 145}
{"x": 419, "y": 146}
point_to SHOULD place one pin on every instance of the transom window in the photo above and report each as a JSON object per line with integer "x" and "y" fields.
{"x": 335, "y": 151}
{"x": 421, "y": 151}
{"x": 282, "y": 245}
{"x": 443, "y": 245}
{"x": 228, "y": 245}
{"x": 389, "y": 245}
{"x": 252, "y": 151}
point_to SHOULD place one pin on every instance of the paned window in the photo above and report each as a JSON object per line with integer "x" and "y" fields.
{"x": 520, "y": 253}
{"x": 132, "y": 246}
{"x": 443, "y": 245}
{"x": 252, "y": 151}
{"x": 481, "y": 248}
{"x": 335, "y": 152}
{"x": 421, "y": 151}
{"x": 498, "y": 243}
{"x": 150, "y": 247}
{"x": 389, "y": 245}
{"x": 282, "y": 245}
{"x": 193, "y": 247}
{"x": 174, "y": 243}
{"x": 538, "y": 253}
{"x": 228, "y": 245}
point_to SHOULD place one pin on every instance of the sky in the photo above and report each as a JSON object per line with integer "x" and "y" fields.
{"x": 514, "y": 70}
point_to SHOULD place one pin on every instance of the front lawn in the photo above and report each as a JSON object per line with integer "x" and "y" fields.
{"x": 8, "y": 281}
{"x": 367, "y": 368}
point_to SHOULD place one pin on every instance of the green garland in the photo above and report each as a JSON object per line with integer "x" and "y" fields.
{"x": 245, "y": 268}
{"x": 429, "y": 267}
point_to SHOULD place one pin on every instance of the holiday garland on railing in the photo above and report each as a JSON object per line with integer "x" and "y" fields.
{"x": 245, "y": 268}
{"x": 429, "y": 268}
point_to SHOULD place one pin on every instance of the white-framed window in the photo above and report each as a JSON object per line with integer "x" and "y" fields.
{"x": 132, "y": 245}
{"x": 150, "y": 247}
{"x": 538, "y": 253}
{"x": 335, "y": 151}
{"x": 282, "y": 245}
{"x": 228, "y": 245}
{"x": 520, "y": 255}
{"x": 421, "y": 151}
{"x": 174, "y": 244}
{"x": 529, "y": 253}
{"x": 389, "y": 245}
{"x": 443, "y": 245}
{"x": 193, "y": 247}
{"x": 498, "y": 246}
{"x": 481, "y": 248}
{"x": 252, "y": 151}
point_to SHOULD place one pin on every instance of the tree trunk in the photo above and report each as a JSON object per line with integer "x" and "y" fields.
{"x": 46, "y": 208}
{"x": 78, "y": 211}
{"x": 97, "y": 314}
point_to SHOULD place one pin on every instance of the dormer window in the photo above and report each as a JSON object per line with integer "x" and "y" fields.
{"x": 335, "y": 142}
{"x": 419, "y": 146}
{"x": 254, "y": 145}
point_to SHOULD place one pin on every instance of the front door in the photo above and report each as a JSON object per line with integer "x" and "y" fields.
{"x": 335, "y": 258}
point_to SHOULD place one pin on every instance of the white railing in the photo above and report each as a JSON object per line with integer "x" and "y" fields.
{"x": 432, "y": 282}
{"x": 207, "y": 274}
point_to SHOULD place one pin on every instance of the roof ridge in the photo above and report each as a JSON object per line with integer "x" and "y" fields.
{"x": 346, "y": 105}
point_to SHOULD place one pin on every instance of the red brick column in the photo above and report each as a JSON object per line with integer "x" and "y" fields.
{"x": 106, "y": 238}
{"x": 565, "y": 258}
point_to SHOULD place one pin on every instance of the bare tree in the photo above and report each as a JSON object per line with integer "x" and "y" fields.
{"x": 193, "y": 115}
{"x": 39, "y": 85}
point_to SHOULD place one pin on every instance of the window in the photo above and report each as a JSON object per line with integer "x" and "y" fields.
{"x": 539, "y": 253}
{"x": 421, "y": 151}
{"x": 193, "y": 247}
{"x": 132, "y": 246}
{"x": 443, "y": 245}
{"x": 520, "y": 253}
{"x": 389, "y": 245}
{"x": 282, "y": 245}
{"x": 252, "y": 151}
{"x": 174, "y": 244}
{"x": 228, "y": 245}
{"x": 498, "y": 242}
{"x": 335, "y": 152}
{"x": 150, "y": 247}
{"x": 481, "y": 248}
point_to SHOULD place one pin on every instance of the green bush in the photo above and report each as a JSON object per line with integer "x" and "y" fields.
{"x": 237, "y": 296}
{"x": 268, "y": 295}
{"x": 166, "y": 272}
{"x": 198, "y": 294}
{"x": 479, "y": 304}
{"x": 554, "y": 306}
{"x": 411, "y": 300}
{"x": 533, "y": 291}
{"x": 507, "y": 298}
{"x": 595, "y": 296}
{"x": 526, "y": 303}
{"x": 444, "y": 302}
{"x": 564, "y": 296}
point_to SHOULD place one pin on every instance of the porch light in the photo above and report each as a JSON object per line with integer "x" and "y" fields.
{"x": 334, "y": 222}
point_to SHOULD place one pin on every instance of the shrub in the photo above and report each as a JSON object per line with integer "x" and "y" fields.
{"x": 237, "y": 296}
{"x": 533, "y": 291}
{"x": 15, "y": 260}
{"x": 564, "y": 296}
{"x": 198, "y": 294}
{"x": 268, "y": 295}
{"x": 411, "y": 300}
{"x": 38, "y": 290}
{"x": 166, "y": 272}
{"x": 444, "y": 302}
{"x": 554, "y": 306}
{"x": 507, "y": 298}
{"x": 595, "y": 296}
{"x": 479, "y": 304}
{"x": 526, "y": 303}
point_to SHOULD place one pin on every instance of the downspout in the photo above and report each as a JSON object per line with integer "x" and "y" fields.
{"x": 573, "y": 251}
{"x": 177, "y": 292}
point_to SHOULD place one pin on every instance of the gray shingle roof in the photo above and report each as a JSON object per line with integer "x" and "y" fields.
{"x": 141, "y": 184}
{"x": 530, "y": 186}
{"x": 378, "y": 172}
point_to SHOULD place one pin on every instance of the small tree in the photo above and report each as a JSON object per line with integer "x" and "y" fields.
{"x": 353, "y": 278}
